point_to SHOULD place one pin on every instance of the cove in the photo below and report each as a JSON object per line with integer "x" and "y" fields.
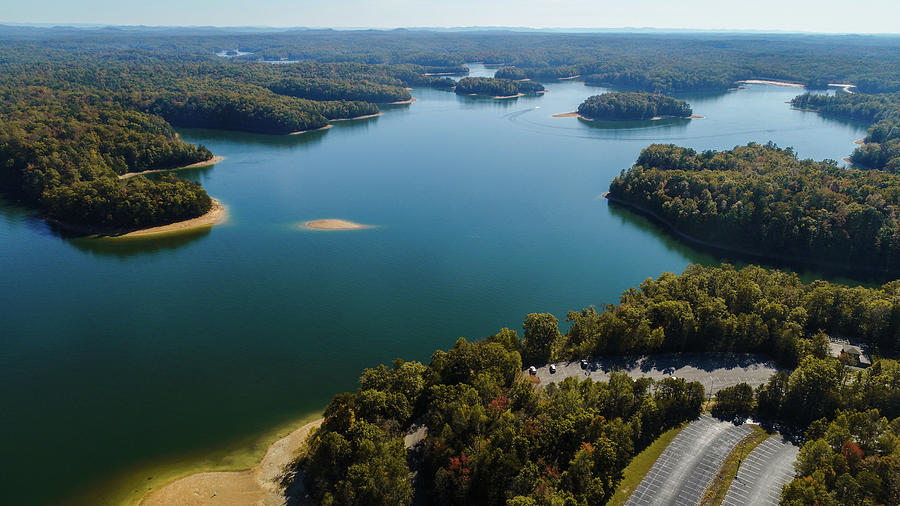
{"x": 124, "y": 360}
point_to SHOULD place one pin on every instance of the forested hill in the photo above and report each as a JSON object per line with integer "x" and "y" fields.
{"x": 632, "y": 106}
{"x": 764, "y": 200}
{"x": 882, "y": 145}
{"x": 496, "y": 87}
{"x": 494, "y": 437}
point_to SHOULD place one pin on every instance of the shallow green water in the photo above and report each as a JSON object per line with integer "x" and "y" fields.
{"x": 119, "y": 355}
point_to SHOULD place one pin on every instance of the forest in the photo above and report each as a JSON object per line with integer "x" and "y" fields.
{"x": 881, "y": 149}
{"x": 496, "y": 87}
{"x": 492, "y": 437}
{"x": 763, "y": 200}
{"x": 62, "y": 152}
{"x": 73, "y": 121}
{"x": 632, "y": 105}
{"x": 495, "y": 436}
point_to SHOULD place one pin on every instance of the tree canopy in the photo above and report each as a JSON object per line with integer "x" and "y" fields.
{"x": 762, "y": 199}
{"x": 632, "y": 106}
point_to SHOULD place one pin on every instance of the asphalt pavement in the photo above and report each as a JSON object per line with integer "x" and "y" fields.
{"x": 714, "y": 371}
{"x": 762, "y": 474}
{"x": 685, "y": 469}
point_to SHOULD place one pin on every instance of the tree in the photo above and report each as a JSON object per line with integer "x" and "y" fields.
{"x": 542, "y": 337}
{"x": 734, "y": 402}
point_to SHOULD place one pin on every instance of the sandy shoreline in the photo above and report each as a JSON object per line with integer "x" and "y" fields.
{"x": 517, "y": 95}
{"x": 568, "y": 78}
{"x": 567, "y": 115}
{"x": 401, "y": 102}
{"x": 257, "y": 485}
{"x": 205, "y": 163}
{"x": 860, "y": 141}
{"x": 333, "y": 224}
{"x": 773, "y": 83}
{"x": 216, "y": 214}
{"x": 326, "y": 127}
{"x": 366, "y": 116}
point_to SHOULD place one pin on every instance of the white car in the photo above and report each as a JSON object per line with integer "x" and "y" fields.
{"x": 532, "y": 370}
{"x": 552, "y": 368}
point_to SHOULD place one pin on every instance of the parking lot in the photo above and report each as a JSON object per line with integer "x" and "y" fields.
{"x": 714, "y": 371}
{"x": 687, "y": 466}
{"x": 762, "y": 474}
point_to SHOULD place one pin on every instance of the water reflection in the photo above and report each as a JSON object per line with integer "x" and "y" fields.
{"x": 710, "y": 255}
{"x": 126, "y": 247}
{"x": 201, "y": 135}
{"x": 663, "y": 123}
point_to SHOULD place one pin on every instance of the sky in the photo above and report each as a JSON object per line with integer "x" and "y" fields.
{"x": 829, "y": 16}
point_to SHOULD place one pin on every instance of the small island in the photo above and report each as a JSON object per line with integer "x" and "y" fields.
{"x": 632, "y": 105}
{"x": 497, "y": 88}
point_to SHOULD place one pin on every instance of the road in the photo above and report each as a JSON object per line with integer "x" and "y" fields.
{"x": 687, "y": 466}
{"x": 714, "y": 371}
{"x": 760, "y": 478}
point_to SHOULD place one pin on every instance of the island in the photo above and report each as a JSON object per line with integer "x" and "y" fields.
{"x": 334, "y": 224}
{"x": 633, "y": 105}
{"x": 763, "y": 200}
{"x": 497, "y": 88}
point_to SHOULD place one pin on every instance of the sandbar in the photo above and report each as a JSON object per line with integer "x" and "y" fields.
{"x": 567, "y": 78}
{"x": 860, "y": 141}
{"x": 517, "y": 95}
{"x": 773, "y": 83}
{"x": 257, "y": 485}
{"x": 326, "y": 127}
{"x": 365, "y": 116}
{"x": 205, "y": 163}
{"x": 402, "y": 102}
{"x": 334, "y": 224}
{"x": 216, "y": 214}
{"x": 566, "y": 115}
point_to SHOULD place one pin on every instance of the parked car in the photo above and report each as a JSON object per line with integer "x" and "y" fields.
{"x": 532, "y": 370}
{"x": 552, "y": 368}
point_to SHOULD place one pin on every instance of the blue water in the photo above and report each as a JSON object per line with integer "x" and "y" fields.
{"x": 117, "y": 354}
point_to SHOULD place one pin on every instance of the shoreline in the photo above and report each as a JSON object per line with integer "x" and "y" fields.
{"x": 517, "y": 95}
{"x": 655, "y": 118}
{"x": 326, "y": 127}
{"x": 772, "y": 83}
{"x": 401, "y": 102}
{"x": 333, "y": 224}
{"x": 216, "y": 214}
{"x": 568, "y": 78}
{"x": 204, "y": 163}
{"x": 259, "y": 484}
{"x": 365, "y": 116}
{"x": 697, "y": 242}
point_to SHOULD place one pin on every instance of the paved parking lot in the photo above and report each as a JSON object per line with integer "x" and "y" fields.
{"x": 714, "y": 371}
{"x": 688, "y": 464}
{"x": 762, "y": 474}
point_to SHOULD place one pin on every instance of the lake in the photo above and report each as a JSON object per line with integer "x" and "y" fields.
{"x": 125, "y": 361}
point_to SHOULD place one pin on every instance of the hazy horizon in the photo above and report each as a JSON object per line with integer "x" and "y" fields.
{"x": 798, "y": 16}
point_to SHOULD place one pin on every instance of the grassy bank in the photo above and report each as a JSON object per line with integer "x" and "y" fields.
{"x": 640, "y": 465}
{"x": 717, "y": 490}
